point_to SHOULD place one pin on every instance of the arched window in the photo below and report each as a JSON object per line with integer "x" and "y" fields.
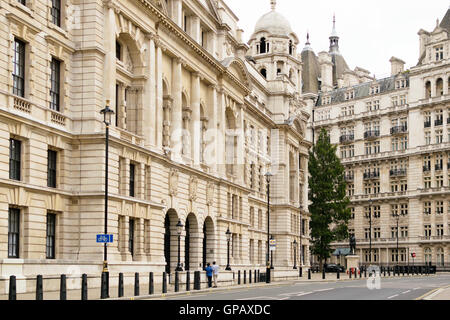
{"x": 291, "y": 48}
{"x": 439, "y": 87}
{"x": 264, "y": 73}
{"x": 428, "y": 257}
{"x": 440, "y": 257}
{"x": 263, "y": 45}
{"x": 428, "y": 90}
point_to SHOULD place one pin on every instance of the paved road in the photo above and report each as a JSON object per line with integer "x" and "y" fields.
{"x": 391, "y": 289}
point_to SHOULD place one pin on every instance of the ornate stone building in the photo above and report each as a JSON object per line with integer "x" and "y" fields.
{"x": 394, "y": 140}
{"x": 197, "y": 125}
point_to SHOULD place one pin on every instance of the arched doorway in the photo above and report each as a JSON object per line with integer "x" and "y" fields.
{"x": 208, "y": 242}
{"x": 170, "y": 244}
{"x": 191, "y": 243}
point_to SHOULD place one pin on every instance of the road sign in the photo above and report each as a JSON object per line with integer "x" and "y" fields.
{"x": 105, "y": 238}
{"x": 273, "y": 245}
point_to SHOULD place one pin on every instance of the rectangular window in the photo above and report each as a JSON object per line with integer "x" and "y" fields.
{"x": 55, "y": 80}
{"x": 15, "y": 150}
{"x": 132, "y": 179}
{"x": 131, "y": 236}
{"x": 51, "y": 232}
{"x": 118, "y": 51}
{"x": 13, "y": 232}
{"x": 56, "y": 12}
{"x": 18, "y": 73}
{"x": 51, "y": 168}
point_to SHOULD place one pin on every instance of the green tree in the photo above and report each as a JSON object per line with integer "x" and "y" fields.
{"x": 327, "y": 192}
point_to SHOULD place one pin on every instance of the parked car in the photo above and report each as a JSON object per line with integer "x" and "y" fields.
{"x": 333, "y": 268}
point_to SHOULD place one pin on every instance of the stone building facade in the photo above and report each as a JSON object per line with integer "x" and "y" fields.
{"x": 196, "y": 128}
{"x": 394, "y": 141}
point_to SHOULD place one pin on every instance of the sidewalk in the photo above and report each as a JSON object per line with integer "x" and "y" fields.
{"x": 94, "y": 293}
{"x": 438, "y": 294}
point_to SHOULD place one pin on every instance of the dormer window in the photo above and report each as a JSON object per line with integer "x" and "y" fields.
{"x": 349, "y": 95}
{"x": 439, "y": 53}
{"x": 375, "y": 89}
{"x": 263, "y": 46}
{"x": 264, "y": 73}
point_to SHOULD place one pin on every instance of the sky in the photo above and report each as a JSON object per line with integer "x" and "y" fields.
{"x": 371, "y": 32}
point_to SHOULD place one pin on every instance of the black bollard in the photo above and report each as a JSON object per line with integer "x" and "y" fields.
{"x": 136, "y": 284}
{"x": 259, "y": 274}
{"x": 84, "y": 287}
{"x": 255, "y": 278}
{"x": 197, "y": 285}
{"x": 62, "y": 288}
{"x": 120, "y": 293}
{"x": 323, "y": 274}
{"x": 239, "y": 276}
{"x": 301, "y": 272}
{"x": 177, "y": 282}
{"x": 389, "y": 271}
{"x": 188, "y": 281}
{"x": 249, "y": 276}
{"x": 309, "y": 274}
{"x": 103, "y": 291}
{"x": 407, "y": 271}
{"x": 338, "y": 276}
{"x": 39, "y": 293}
{"x": 151, "y": 284}
{"x": 403, "y": 271}
{"x": 12, "y": 295}
{"x": 245, "y": 276}
{"x": 365, "y": 272}
{"x": 384, "y": 270}
{"x": 164, "y": 283}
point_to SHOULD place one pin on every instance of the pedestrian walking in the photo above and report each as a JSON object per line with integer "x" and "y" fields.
{"x": 215, "y": 268}
{"x": 209, "y": 274}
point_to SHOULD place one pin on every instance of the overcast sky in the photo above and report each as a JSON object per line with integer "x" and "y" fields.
{"x": 370, "y": 32}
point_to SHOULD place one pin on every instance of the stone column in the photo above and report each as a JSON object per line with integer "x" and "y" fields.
{"x": 159, "y": 98}
{"x": 177, "y": 125}
{"x": 195, "y": 127}
{"x": 221, "y": 135}
{"x": 139, "y": 252}
{"x": 150, "y": 118}
{"x": 211, "y": 154}
{"x": 177, "y": 12}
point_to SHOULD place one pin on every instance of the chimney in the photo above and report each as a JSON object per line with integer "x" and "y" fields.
{"x": 397, "y": 66}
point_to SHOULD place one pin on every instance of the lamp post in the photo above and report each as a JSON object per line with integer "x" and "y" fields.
{"x": 107, "y": 115}
{"x": 228, "y": 233}
{"x": 271, "y": 255}
{"x": 179, "y": 231}
{"x": 268, "y": 176}
{"x": 397, "y": 216}
{"x": 370, "y": 230}
{"x": 295, "y": 254}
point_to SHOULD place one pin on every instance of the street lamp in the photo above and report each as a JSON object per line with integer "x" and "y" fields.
{"x": 107, "y": 115}
{"x": 295, "y": 254}
{"x": 228, "y": 234}
{"x": 397, "y": 216}
{"x": 268, "y": 176}
{"x": 370, "y": 230}
{"x": 179, "y": 231}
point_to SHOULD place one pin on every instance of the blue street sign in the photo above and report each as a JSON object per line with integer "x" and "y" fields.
{"x": 105, "y": 238}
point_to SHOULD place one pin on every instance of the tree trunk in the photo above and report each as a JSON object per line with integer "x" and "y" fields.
{"x": 321, "y": 265}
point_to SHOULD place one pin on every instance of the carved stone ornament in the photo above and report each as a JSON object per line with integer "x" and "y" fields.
{"x": 210, "y": 191}
{"x": 193, "y": 186}
{"x": 173, "y": 182}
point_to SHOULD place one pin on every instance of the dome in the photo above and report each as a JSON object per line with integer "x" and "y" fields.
{"x": 274, "y": 23}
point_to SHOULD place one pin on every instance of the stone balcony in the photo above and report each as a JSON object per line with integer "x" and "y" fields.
{"x": 372, "y": 134}
{"x": 348, "y": 138}
{"x": 28, "y": 109}
{"x": 398, "y": 173}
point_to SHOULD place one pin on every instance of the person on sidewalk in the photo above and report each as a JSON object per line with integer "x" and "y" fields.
{"x": 209, "y": 274}
{"x": 215, "y": 268}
